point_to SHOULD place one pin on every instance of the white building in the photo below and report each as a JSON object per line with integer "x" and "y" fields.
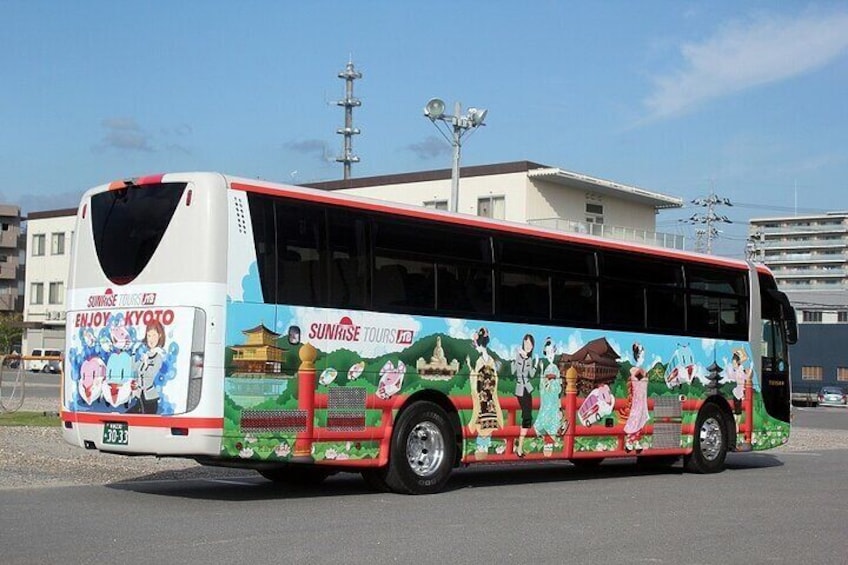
{"x": 49, "y": 238}
{"x": 809, "y": 258}
{"x": 528, "y": 192}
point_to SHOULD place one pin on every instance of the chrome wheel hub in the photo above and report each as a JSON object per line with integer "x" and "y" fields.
{"x": 711, "y": 439}
{"x": 425, "y": 449}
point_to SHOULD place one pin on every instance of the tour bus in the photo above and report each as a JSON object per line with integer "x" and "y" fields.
{"x": 301, "y": 332}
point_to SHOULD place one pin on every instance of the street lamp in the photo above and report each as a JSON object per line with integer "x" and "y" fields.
{"x": 458, "y": 125}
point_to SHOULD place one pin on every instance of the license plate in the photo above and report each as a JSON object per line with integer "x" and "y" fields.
{"x": 116, "y": 433}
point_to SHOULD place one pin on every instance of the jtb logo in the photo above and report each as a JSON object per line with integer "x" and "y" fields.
{"x": 404, "y": 337}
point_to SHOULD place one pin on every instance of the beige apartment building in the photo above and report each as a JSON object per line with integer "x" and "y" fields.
{"x": 527, "y": 192}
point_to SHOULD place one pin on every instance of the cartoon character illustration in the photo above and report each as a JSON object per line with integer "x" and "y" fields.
{"x": 355, "y": 371}
{"x": 391, "y": 379}
{"x": 120, "y": 385}
{"x": 636, "y": 410}
{"x": 550, "y": 421}
{"x": 738, "y": 374}
{"x": 328, "y": 375}
{"x": 486, "y": 415}
{"x": 597, "y": 405}
{"x": 524, "y": 367}
{"x": 92, "y": 375}
{"x": 148, "y": 367}
{"x": 681, "y": 369}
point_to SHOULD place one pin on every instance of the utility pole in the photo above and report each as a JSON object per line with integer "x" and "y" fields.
{"x": 348, "y": 131}
{"x": 707, "y": 220}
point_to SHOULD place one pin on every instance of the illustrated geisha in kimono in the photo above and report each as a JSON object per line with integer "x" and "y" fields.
{"x": 636, "y": 410}
{"x": 550, "y": 421}
{"x": 486, "y": 416}
{"x": 738, "y": 375}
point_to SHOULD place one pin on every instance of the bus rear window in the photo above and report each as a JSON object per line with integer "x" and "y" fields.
{"x": 128, "y": 225}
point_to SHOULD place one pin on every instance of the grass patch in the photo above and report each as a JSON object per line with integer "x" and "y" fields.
{"x": 29, "y": 419}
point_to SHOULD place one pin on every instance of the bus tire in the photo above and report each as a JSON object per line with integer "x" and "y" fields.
{"x": 422, "y": 450}
{"x": 709, "y": 444}
{"x": 296, "y": 475}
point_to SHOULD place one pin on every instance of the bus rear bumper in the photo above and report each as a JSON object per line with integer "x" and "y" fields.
{"x": 161, "y": 436}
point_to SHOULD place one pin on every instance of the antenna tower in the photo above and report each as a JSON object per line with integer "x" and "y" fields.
{"x": 348, "y": 131}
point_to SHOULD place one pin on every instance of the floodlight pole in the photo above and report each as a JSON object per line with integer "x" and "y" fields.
{"x": 457, "y": 150}
{"x": 459, "y": 125}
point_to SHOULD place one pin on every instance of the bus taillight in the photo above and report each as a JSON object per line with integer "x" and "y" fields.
{"x": 195, "y": 371}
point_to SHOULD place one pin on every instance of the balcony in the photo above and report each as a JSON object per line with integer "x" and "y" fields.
{"x": 800, "y": 230}
{"x": 657, "y": 239}
{"x": 809, "y": 273}
{"x": 803, "y": 244}
{"x": 790, "y": 258}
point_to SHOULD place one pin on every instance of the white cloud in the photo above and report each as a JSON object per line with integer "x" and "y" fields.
{"x": 575, "y": 342}
{"x": 459, "y": 329}
{"x": 742, "y": 55}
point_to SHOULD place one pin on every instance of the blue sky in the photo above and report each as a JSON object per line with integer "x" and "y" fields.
{"x": 744, "y": 98}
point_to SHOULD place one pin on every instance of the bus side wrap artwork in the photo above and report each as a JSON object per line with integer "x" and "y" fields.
{"x": 653, "y": 387}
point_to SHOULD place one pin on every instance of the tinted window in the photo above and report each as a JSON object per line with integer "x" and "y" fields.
{"x": 574, "y": 300}
{"x": 715, "y": 279}
{"x": 265, "y": 242}
{"x": 300, "y": 232}
{"x": 404, "y": 284}
{"x": 349, "y": 259}
{"x": 641, "y": 270}
{"x": 413, "y": 237}
{"x": 128, "y": 225}
{"x": 538, "y": 254}
{"x": 666, "y": 310}
{"x": 524, "y": 295}
{"x": 623, "y": 305}
{"x": 464, "y": 289}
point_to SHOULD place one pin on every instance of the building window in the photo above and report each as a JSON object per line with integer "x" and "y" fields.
{"x": 492, "y": 207}
{"x": 812, "y": 317}
{"x": 57, "y": 244}
{"x": 594, "y": 213}
{"x": 57, "y": 293}
{"x": 436, "y": 204}
{"x": 36, "y": 293}
{"x": 842, "y": 316}
{"x": 842, "y": 374}
{"x": 38, "y": 245}
{"x": 811, "y": 373}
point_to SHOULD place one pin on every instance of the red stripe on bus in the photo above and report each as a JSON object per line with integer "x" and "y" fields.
{"x": 143, "y": 421}
{"x": 323, "y": 197}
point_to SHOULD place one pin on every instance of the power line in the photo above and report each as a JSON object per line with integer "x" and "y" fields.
{"x": 707, "y": 220}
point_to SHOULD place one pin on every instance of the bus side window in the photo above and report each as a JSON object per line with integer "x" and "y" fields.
{"x": 350, "y": 266}
{"x": 265, "y": 242}
{"x": 300, "y": 278}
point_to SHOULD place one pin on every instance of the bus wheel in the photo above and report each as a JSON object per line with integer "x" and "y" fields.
{"x": 422, "y": 451}
{"x": 709, "y": 448}
{"x": 296, "y": 475}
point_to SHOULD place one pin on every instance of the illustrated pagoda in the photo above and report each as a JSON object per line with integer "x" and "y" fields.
{"x": 596, "y": 364}
{"x": 259, "y": 356}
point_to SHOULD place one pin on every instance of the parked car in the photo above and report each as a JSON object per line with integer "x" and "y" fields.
{"x": 45, "y": 365}
{"x": 832, "y": 396}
